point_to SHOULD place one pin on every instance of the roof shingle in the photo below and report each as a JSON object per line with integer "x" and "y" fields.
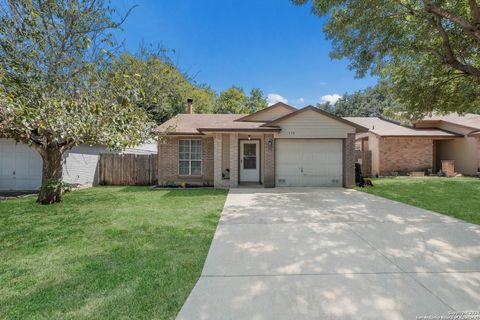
{"x": 469, "y": 120}
{"x": 191, "y": 123}
{"x": 387, "y": 128}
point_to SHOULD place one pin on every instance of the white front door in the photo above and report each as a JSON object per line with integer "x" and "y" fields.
{"x": 250, "y": 161}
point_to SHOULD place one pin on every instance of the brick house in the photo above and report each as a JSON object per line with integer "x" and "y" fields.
{"x": 423, "y": 145}
{"x": 277, "y": 146}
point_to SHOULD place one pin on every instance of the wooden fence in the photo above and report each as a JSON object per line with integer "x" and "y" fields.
{"x": 128, "y": 169}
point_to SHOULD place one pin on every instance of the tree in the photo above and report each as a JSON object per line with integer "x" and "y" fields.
{"x": 57, "y": 89}
{"x": 371, "y": 102}
{"x": 327, "y": 106}
{"x": 163, "y": 88}
{"x": 232, "y": 100}
{"x": 203, "y": 98}
{"x": 428, "y": 52}
{"x": 256, "y": 101}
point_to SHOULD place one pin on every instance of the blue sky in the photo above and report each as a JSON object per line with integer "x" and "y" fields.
{"x": 270, "y": 44}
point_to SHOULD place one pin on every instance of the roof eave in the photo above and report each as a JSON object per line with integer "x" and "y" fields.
{"x": 278, "y": 104}
{"x": 239, "y": 129}
{"x": 420, "y": 136}
{"x": 173, "y": 133}
{"x": 474, "y": 133}
{"x": 358, "y": 128}
{"x": 450, "y": 122}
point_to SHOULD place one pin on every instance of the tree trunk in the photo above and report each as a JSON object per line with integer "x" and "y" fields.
{"x": 52, "y": 176}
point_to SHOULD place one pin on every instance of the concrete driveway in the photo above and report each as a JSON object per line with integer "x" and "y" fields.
{"x": 301, "y": 253}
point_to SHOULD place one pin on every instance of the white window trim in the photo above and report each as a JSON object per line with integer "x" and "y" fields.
{"x": 190, "y": 159}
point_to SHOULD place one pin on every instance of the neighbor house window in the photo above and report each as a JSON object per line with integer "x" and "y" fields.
{"x": 190, "y": 157}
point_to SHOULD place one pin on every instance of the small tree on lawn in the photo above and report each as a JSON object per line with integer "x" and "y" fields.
{"x": 56, "y": 87}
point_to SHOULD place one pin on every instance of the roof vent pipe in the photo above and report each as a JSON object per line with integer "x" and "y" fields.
{"x": 189, "y": 106}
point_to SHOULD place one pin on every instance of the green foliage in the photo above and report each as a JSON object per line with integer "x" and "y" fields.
{"x": 371, "y": 102}
{"x": 428, "y": 52}
{"x": 256, "y": 101}
{"x": 233, "y": 100}
{"x": 162, "y": 89}
{"x": 57, "y": 186}
{"x": 56, "y": 87}
{"x": 203, "y": 98}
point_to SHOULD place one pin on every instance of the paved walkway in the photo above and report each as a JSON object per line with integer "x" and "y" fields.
{"x": 301, "y": 253}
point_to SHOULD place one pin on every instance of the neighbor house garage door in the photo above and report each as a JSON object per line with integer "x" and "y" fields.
{"x": 308, "y": 163}
{"x": 20, "y": 166}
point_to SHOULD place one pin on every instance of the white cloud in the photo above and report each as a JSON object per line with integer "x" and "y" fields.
{"x": 332, "y": 98}
{"x": 300, "y": 100}
{"x": 273, "y": 98}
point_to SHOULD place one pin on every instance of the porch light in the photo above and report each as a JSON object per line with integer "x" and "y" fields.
{"x": 249, "y": 137}
{"x": 270, "y": 142}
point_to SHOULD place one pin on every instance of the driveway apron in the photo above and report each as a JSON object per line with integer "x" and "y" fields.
{"x": 323, "y": 253}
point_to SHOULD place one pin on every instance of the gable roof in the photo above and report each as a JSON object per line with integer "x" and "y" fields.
{"x": 468, "y": 120}
{"x": 357, "y": 126}
{"x": 384, "y": 128}
{"x": 195, "y": 124}
{"x": 278, "y": 105}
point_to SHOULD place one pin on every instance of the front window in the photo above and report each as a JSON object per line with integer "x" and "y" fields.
{"x": 190, "y": 157}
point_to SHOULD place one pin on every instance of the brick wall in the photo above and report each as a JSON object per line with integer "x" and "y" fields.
{"x": 269, "y": 158}
{"x": 405, "y": 155}
{"x": 234, "y": 174}
{"x": 349, "y": 161}
{"x": 217, "y": 160}
{"x": 168, "y": 160}
{"x": 448, "y": 168}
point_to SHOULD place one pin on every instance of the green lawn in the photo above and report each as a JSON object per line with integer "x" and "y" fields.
{"x": 105, "y": 253}
{"x": 456, "y": 197}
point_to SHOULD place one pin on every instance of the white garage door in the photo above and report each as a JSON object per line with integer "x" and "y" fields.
{"x": 20, "y": 166}
{"x": 81, "y": 164}
{"x": 308, "y": 163}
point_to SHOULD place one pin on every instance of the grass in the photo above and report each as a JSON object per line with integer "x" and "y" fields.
{"x": 456, "y": 197}
{"x": 105, "y": 253}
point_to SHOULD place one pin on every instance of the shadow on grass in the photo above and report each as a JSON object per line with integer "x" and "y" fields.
{"x": 175, "y": 193}
{"x": 141, "y": 277}
{"x": 130, "y": 189}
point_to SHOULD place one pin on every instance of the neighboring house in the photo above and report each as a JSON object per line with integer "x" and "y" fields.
{"x": 277, "y": 146}
{"x": 21, "y": 166}
{"x": 466, "y": 150}
{"x": 145, "y": 148}
{"x": 423, "y": 145}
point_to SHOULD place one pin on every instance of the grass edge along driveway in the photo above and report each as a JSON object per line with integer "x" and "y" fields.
{"x": 105, "y": 252}
{"x": 455, "y": 197}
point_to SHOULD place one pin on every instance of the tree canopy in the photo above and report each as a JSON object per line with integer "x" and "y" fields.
{"x": 371, "y": 102}
{"x": 234, "y": 100}
{"x": 57, "y": 89}
{"x": 162, "y": 88}
{"x": 256, "y": 101}
{"x": 428, "y": 52}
